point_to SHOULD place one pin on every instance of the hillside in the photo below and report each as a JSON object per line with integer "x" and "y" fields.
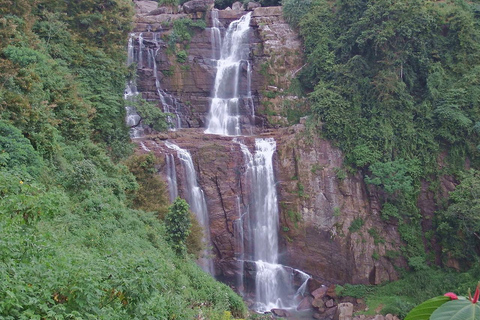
{"x": 74, "y": 243}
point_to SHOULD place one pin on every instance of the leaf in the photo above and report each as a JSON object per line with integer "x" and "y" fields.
{"x": 457, "y": 310}
{"x": 425, "y": 309}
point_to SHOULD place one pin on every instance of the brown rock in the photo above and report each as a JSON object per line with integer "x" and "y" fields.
{"x": 194, "y": 6}
{"x": 281, "y": 313}
{"x": 305, "y": 304}
{"x": 313, "y": 285}
{"x": 318, "y": 303}
{"x": 143, "y": 7}
{"x": 161, "y": 10}
{"x": 237, "y": 6}
{"x": 330, "y": 303}
{"x": 320, "y": 292}
{"x": 330, "y": 313}
{"x": 317, "y": 316}
{"x": 379, "y": 317}
{"x": 331, "y": 291}
{"x": 252, "y": 5}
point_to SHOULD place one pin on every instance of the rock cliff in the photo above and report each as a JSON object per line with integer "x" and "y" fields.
{"x": 330, "y": 224}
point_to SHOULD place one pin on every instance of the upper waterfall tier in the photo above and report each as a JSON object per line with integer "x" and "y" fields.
{"x": 224, "y": 117}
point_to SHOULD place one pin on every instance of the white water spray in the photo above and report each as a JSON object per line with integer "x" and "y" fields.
{"x": 196, "y": 199}
{"x": 273, "y": 282}
{"x": 224, "y": 118}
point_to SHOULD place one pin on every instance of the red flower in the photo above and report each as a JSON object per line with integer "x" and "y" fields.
{"x": 476, "y": 295}
{"x": 451, "y": 295}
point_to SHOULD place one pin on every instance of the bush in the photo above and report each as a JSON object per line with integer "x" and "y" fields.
{"x": 178, "y": 224}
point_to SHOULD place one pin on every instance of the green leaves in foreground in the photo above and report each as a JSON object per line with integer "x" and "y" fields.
{"x": 424, "y": 310}
{"x": 457, "y": 310}
{"x": 442, "y": 308}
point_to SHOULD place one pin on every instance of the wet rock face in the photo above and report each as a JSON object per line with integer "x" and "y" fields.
{"x": 330, "y": 221}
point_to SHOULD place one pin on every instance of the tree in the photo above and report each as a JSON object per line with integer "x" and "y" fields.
{"x": 177, "y": 224}
{"x": 459, "y": 224}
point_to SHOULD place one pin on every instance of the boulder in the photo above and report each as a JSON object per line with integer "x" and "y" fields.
{"x": 331, "y": 291}
{"x": 379, "y": 317}
{"x": 237, "y": 6}
{"x": 318, "y": 303}
{"x": 330, "y": 303}
{"x": 194, "y": 6}
{"x": 280, "y": 313}
{"x": 320, "y": 292}
{"x": 305, "y": 304}
{"x": 161, "y": 10}
{"x": 317, "y": 316}
{"x": 344, "y": 311}
{"x": 390, "y": 317}
{"x": 313, "y": 284}
{"x": 143, "y": 7}
{"x": 252, "y": 5}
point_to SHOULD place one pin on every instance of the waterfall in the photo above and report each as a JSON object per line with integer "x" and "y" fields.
{"x": 224, "y": 118}
{"x": 140, "y": 50}
{"x": 273, "y": 282}
{"x": 171, "y": 177}
{"x": 215, "y": 35}
{"x": 239, "y": 237}
{"x": 196, "y": 199}
{"x": 132, "y": 118}
{"x": 169, "y": 103}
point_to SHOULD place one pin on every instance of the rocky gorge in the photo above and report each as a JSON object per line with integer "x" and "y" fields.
{"x": 329, "y": 219}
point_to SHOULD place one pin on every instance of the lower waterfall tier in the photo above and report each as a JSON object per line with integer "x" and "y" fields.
{"x": 312, "y": 237}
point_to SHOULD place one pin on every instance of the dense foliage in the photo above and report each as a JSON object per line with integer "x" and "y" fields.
{"x": 395, "y": 84}
{"x": 79, "y": 240}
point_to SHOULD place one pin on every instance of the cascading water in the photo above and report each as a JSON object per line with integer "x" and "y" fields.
{"x": 196, "y": 199}
{"x": 273, "y": 282}
{"x": 215, "y": 34}
{"x": 171, "y": 177}
{"x": 132, "y": 118}
{"x": 224, "y": 118}
{"x": 169, "y": 103}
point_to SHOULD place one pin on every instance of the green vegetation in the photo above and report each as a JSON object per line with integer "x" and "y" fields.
{"x": 79, "y": 216}
{"x": 401, "y": 296}
{"x": 356, "y": 225}
{"x": 178, "y": 224}
{"x": 395, "y": 85}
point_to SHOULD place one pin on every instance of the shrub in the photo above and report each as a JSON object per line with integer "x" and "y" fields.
{"x": 178, "y": 224}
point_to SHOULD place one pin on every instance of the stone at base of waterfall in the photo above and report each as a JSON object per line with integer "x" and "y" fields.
{"x": 280, "y": 313}
{"x": 252, "y": 5}
{"x": 330, "y": 303}
{"x": 313, "y": 284}
{"x": 198, "y": 6}
{"x": 305, "y": 304}
{"x": 329, "y": 313}
{"x": 237, "y": 6}
{"x": 319, "y": 293}
{"x": 318, "y": 303}
{"x": 344, "y": 311}
{"x": 331, "y": 291}
{"x": 317, "y": 316}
